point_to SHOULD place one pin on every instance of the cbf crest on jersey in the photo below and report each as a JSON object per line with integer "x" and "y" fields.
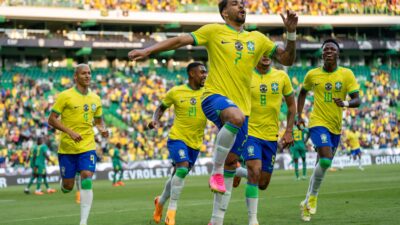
{"x": 193, "y": 101}
{"x": 181, "y": 153}
{"x": 263, "y": 88}
{"x": 238, "y": 45}
{"x": 338, "y": 86}
{"x": 251, "y": 46}
{"x": 328, "y": 86}
{"x": 94, "y": 107}
{"x": 86, "y": 107}
{"x": 275, "y": 88}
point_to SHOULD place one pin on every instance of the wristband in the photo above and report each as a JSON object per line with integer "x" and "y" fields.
{"x": 346, "y": 103}
{"x": 291, "y": 36}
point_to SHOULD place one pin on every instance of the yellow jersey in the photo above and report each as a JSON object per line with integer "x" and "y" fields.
{"x": 190, "y": 121}
{"x": 354, "y": 139}
{"x": 267, "y": 91}
{"x": 77, "y": 112}
{"x": 327, "y": 86}
{"x": 232, "y": 56}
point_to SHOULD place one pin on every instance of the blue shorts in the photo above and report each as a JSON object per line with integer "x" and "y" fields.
{"x": 265, "y": 151}
{"x": 322, "y": 137}
{"x": 70, "y": 164}
{"x": 180, "y": 152}
{"x": 355, "y": 151}
{"x": 212, "y": 107}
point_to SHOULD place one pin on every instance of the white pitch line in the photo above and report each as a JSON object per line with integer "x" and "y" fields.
{"x": 194, "y": 204}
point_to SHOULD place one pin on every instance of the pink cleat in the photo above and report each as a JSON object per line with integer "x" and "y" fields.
{"x": 217, "y": 183}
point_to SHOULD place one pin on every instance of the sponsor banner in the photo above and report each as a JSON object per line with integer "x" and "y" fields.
{"x": 62, "y": 43}
{"x": 154, "y": 169}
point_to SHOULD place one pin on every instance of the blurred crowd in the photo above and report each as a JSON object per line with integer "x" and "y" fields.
{"x": 306, "y": 7}
{"x": 129, "y": 101}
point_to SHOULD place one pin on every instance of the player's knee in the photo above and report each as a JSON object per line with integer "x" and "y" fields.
{"x": 264, "y": 185}
{"x": 181, "y": 172}
{"x": 87, "y": 184}
{"x": 325, "y": 163}
{"x": 237, "y": 120}
{"x": 67, "y": 187}
{"x": 254, "y": 174}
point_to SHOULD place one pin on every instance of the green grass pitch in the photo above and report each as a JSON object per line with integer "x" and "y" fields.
{"x": 350, "y": 196}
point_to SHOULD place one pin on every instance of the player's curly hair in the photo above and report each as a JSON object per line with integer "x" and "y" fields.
{"x": 221, "y": 6}
{"x": 192, "y": 66}
{"x": 331, "y": 41}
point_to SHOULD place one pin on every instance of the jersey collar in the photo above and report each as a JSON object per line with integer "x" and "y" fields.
{"x": 261, "y": 74}
{"x": 323, "y": 69}
{"x": 233, "y": 29}
{"x": 76, "y": 89}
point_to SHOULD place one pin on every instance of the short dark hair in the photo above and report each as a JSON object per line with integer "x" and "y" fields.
{"x": 192, "y": 66}
{"x": 330, "y": 41}
{"x": 221, "y": 6}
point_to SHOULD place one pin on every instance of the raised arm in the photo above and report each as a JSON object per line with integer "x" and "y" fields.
{"x": 166, "y": 45}
{"x": 287, "y": 55}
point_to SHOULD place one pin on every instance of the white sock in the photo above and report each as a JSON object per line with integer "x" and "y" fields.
{"x": 359, "y": 162}
{"x": 177, "y": 184}
{"x": 166, "y": 192}
{"x": 86, "y": 204}
{"x": 223, "y": 144}
{"x": 252, "y": 204}
{"x": 221, "y": 202}
{"x": 241, "y": 172}
{"x": 315, "y": 181}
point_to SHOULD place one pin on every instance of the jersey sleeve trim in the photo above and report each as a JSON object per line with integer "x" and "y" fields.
{"x": 303, "y": 88}
{"x": 97, "y": 117}
{"x": 53, "y": 110}
{"x": 165, "y": 105}
{"x": 354, "y": 91}
{"x": 195, "y": 42}
{"x": 288, "y": 94}
{"x": 273, "y": 51}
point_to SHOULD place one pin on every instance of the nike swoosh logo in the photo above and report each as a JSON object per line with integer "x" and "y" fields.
{"x": 76, "y": 107}
{"x": 225, "y": 42}
{"x": 316, "y": 84}
{"x": 253, "y": 87}
{"x": 183, "y": 101}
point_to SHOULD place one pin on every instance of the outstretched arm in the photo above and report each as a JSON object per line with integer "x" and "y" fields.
{"x": 166, "y": 45}
{"x": 287, "y": 55}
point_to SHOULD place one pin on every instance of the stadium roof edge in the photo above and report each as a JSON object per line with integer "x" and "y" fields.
{"x": 76, "y": 15}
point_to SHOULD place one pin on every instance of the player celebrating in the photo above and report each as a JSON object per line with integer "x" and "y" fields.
{"x": 185, "y": 137}
{"x": 116, "y": 161}
{"x": 353, "y": 142}
{"x": 330, "y": 84}
{"x": 268, "y": 87}
{"x": 233, "y": 54}
{"x": 299, "y": 150}
{"x": 78, "y": 106}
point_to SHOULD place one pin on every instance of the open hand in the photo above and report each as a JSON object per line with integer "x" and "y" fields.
{"x": 290, "y": 21}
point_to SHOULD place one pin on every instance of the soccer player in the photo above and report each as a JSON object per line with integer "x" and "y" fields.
{"x": 78, "y": 107}
{"x": 31, "y": 162}
{"x": 330, "y": 84}
{"x": 38, "y": 163}
{"x": 299, "y": 150}
{"x": 353, "y": 142}
{"x": 233, "y": 54}
{"x": 185, "y": 137}
{"x": 116, "y": 161}
{"x": 268, "y": 87}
